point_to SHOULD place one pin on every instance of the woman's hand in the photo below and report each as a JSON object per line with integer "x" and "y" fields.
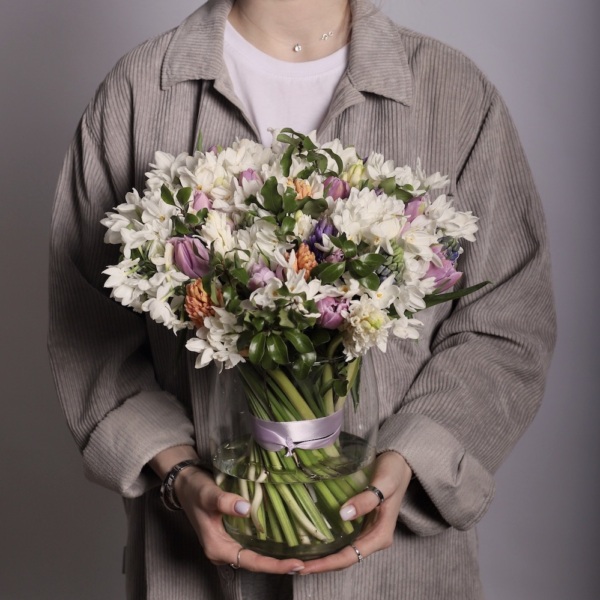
{"x": 392, "y": 476}
{"x": 205, "y": 503}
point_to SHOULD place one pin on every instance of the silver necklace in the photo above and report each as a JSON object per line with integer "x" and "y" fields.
{"x": 298, "y": 46}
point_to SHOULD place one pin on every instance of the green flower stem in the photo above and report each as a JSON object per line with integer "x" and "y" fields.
{"x": 328, "y": 406}
{"x": 296, "y": 510}
{"x": 287, "y": 528}
{"x": 353, "y": 371}
{"x": 331, "y": 506}
{"x": 273, "y": 528}
{"x": 292, "y": 394}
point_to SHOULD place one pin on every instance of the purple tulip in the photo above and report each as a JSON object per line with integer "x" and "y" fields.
{"x": 200, "y": 200}
{"x": 336, "y": 188}
{"x": 259, "y": 276}
{"x": 249, "y": 175}
{"x": 190, "y": 256}
{"x": 331, "y": 310}
{"x": 414, "y": 208}
{"x": 446, "y": 275}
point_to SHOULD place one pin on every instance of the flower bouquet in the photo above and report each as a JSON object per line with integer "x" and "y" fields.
{"x": 289, "y": 263}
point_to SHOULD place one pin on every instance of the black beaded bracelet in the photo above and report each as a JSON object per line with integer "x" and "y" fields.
{"x": 167, "y": 491}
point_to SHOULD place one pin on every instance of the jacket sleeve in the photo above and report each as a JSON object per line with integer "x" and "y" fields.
{"x": 485, "y": 378}
{"x": 100, "y": 358}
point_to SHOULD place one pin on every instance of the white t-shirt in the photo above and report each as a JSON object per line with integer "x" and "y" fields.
{"x": 277, "y": 93}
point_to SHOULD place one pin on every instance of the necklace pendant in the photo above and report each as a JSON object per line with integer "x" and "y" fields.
{"x": 298, "y": 48}
{"x": 326, "y": 36}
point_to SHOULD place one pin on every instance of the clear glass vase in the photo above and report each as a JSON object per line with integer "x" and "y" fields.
{"x": 296, "y": 449}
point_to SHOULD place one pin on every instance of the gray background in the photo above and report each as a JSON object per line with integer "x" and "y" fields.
{"x": 60, "y": 536}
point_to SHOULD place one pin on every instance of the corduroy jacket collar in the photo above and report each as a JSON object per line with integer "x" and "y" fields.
{"x": 196, "y": 51}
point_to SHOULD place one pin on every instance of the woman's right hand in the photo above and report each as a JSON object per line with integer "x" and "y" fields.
{"x": 205, "y": 503}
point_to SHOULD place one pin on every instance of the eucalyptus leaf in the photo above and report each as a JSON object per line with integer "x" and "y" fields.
{"x": 315, "y": 207}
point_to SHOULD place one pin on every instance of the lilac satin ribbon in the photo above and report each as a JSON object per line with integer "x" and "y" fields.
{"x": 308, "y": 435}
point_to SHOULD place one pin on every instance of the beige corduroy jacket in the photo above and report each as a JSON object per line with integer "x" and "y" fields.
{"x": 454, "y": 403}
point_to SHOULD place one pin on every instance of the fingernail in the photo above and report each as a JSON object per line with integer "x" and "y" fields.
{"x": 348, "y": 512}
{"x": 242, "y": 507}
{"x": 295, "y": 571}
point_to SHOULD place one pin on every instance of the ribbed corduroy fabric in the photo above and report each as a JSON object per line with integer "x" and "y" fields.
{"x": 454, "y": 403}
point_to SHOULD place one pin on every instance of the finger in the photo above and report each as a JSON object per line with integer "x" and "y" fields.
{"x": 251, "y": 561}
{"x": 214, "y": 499}
{"x": 343, "y": 559}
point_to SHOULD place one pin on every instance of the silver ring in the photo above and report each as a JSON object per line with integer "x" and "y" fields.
{"x": 358, "y": 554}
{"x": 376, "y": 491}
{"x": 237, "y": 565}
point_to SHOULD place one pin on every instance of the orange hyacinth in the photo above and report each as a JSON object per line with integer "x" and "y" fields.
{"x": 198, "y": 304}
{"x": 302, "y": 187}
{"x": 305, "y": 259}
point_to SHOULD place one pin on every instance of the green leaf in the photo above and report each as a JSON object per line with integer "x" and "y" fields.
{"x": 388, "y": 185}
{"x": 302, "y": 365}
{"x": 434, "y": 299}
{"x": 329, "y": 272}
{"x": 286, "y": 160}
{"x": 241, "y": 275}
{"x": 199, "y": 142}
{"x": 192, "y": 219}
{"x": 256, "y": 350}
{"x": 365, "y": 265}
{"x": 272, "y": 200}
{"x": 314, "y": 208}
{"x": 336, "y": 158}
{"x": 277, "y": 350}
{"x": 371, "y": 282}
{"x": 184, "y": 195}
{"x": 180, "y": 227}
{"x": 287, "y": 225}
{"x": 403, "y": 195}
{"x": 340, "y": 388}
{"x": 166, "y": 195}
{"x": 245, "y": 339}
{"x": 300, "y": 341}
{"x": 290, "y": 204}
{"x": 284, "y": 319}
{"x": 320, "y": 337}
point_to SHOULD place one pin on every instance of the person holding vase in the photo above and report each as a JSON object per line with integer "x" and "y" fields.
{"x": 451, "y": 406}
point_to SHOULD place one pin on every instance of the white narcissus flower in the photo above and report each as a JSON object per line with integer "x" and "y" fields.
{"x": 217, "y": 340}
{"x": 366, "y": 326}
{"x": 453, "y": 223}
{"x": 385, "y": 295}
{"x": 366, "y": 216}
{"x": 406, "y": 329}
{"x": 216, "y": 233}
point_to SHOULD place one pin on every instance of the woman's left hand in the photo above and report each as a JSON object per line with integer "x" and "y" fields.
{"x": 392, "y": 476}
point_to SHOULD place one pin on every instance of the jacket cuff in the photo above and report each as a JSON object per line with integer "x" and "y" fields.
{"x": 452, "y": 488}
{"x": 129, "y": 436}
